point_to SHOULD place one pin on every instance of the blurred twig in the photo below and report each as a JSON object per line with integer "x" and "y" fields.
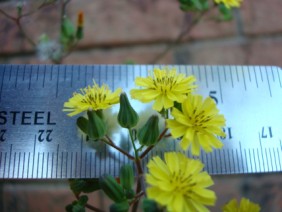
{"x": 181, "y": 35}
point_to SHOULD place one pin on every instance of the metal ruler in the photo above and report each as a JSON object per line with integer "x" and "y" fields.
{"x": 38, "y": 140}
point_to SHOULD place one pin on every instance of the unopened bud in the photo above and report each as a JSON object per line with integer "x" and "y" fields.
{"x": 80, "y": 23}
{"x": 96, "y": 126}
{"x": 149, "y": 133}
{"x": 127, "y": 116}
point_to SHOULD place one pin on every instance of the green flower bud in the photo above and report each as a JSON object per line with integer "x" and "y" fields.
{"x": 96, "y": 126}
{"x": 149, "y": 133}
{"x": 149, "y": 205}
{"x": 127, "y": 116}
{"x": 111, "y": 188}
{"x": 119, "y": 207}
{"x": 126, "y": 177}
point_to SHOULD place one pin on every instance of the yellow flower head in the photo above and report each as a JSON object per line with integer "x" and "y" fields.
{"x": 245, "y": 206}
{"x": 229, "y": 3}
{"x": 179, "y": 183}
{"x": 91, "y": 98}
{"x": 164, "y": 86}
{"x": 198, "y": 124}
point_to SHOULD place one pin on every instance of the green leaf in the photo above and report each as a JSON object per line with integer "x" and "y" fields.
{"x": 84, "y": 185}
{"x": 82, "y": 124}
{"x": 67, "y": 28}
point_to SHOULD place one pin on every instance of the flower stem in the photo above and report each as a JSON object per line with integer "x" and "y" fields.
{"x": 133, "y": 144}
{"x": 111, "y": 143}
{"x": 140, "y": 188}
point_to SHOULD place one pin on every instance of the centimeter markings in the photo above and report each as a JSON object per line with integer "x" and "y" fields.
{"x": 55, "y": 160}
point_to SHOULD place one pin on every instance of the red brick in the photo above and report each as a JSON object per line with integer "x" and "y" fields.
{"x": 109, "y": 23}
{"x": 266, "y": 52}
{"x": 262, "y": 17}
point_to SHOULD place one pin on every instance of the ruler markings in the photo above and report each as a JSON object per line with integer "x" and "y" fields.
{"x": 206, "y": 77}
{"x": 28, "y": 164}
{"x": 62, "y": 159}
{"x": 199, "y": 71}
{"x": 267, "y": 161}
{"x": 250, "y": 158}
{"x": 44, "y": 76}
{"x": 10, "y": 157}
{"x": 256, "y": 79}
{"x": 4, "y": 164}
{"x": 47, "y": 163}
{"x": 224, "y": 73}
{"x": 238, "y": 161}
{"x": 231, "y": 76}
{"x": 75, "y": 166}
{"x": 269, "y": 88}
{"x": 71, "y": 79}
{"x": 249, "y": 74}
{"x": 66, "y": 170}
{"x": 245, "y": 155}
{"x": 10, "y": 72}
{"x": 229, "y": 160}
{"x": 57, "y": 161}
{"x": 212, "y": 77}
{"x": 51, "y": 72}
{"x": 30, "y": 75}
{"x": 244, "y": 80}
{"x": 241, "y": 154}
{"x": 23, "y": 165}
{"x": 237, "y": 75}
{"x": 37, "y": 73}
{"x": 85, "y": 163}
{"x": 37, "y": 168}
{"x": 24, "y": 67}
{"x": 81, "y": 150}
{"x": 279, "y": 77}
{"x": 220, "y": 87}
{"x": 65, "y": 73}
{"x": 233, "y": 160}
{"x": 273, "y": 78}
{"x": 271, "y": 161}
{"x": 57, "y": 83}
{"x": 279, "y": 159}
{"x": 14, "y": 165}
{"x": 42, "y": 166}
{"x": 16, "y": 80}
{"x": 71, "y": 165}
{"x": 261, "y": 152}
{"x": 52, "y": 164}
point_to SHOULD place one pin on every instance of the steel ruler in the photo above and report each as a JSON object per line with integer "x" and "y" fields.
{"x": 38, "y": 140}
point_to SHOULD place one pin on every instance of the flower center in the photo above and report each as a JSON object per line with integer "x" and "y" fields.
{"x": 199, "y": 120}
{"x": 164, "y": 83}
{"x": 182, "y": 183}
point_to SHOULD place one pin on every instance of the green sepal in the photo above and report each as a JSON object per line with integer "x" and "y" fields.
{"x": 82, "y": 124}
{"x": 225, "y": 13}
{"x": 126, "y": 177}
{"x": 119, "y": 207}
{"x": 79, "y": 33}
{"x": 84, "y": 185}
{"x": 149, "y": 205}
{"x": 127, "y": 116}
{"x": 96, "y": 126}
{"x": 77, "y": 206}
{"x": 148, "y": 135}
{"x": 111, "y": 188}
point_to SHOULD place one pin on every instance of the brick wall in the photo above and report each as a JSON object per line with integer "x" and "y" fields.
{"x": 118, "y": 31}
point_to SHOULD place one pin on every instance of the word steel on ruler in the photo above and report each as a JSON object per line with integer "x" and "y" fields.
{"x": 38, "y": 140}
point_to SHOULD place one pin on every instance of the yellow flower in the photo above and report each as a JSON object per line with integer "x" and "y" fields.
{"x": 91, "y": 98}
{"x": 198, "y": 124}
{"x": 179, "y": 183}
{"x": 164, "y": 86}
{"x": 229, "y": 3}
{"x": 245, "y": 206}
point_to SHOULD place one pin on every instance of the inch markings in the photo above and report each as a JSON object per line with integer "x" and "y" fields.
{"x": 42, "y": 142}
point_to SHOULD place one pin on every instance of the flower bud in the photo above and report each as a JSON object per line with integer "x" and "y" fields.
{"x": 126, "y": 177}
{"x": 127, "y": 116}
{"x": 119, "y": 207}
{"x": 149, "y": 133}
{"x": 111, "y": 188}
{"x": 96, "y": 126}
{"x": 80, "y": 23}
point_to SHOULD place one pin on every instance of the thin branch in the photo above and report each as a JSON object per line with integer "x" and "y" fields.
{"x": 179, "y": 37}
{"x": 111, "y": 143}
{"x": 7, "y": 15}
